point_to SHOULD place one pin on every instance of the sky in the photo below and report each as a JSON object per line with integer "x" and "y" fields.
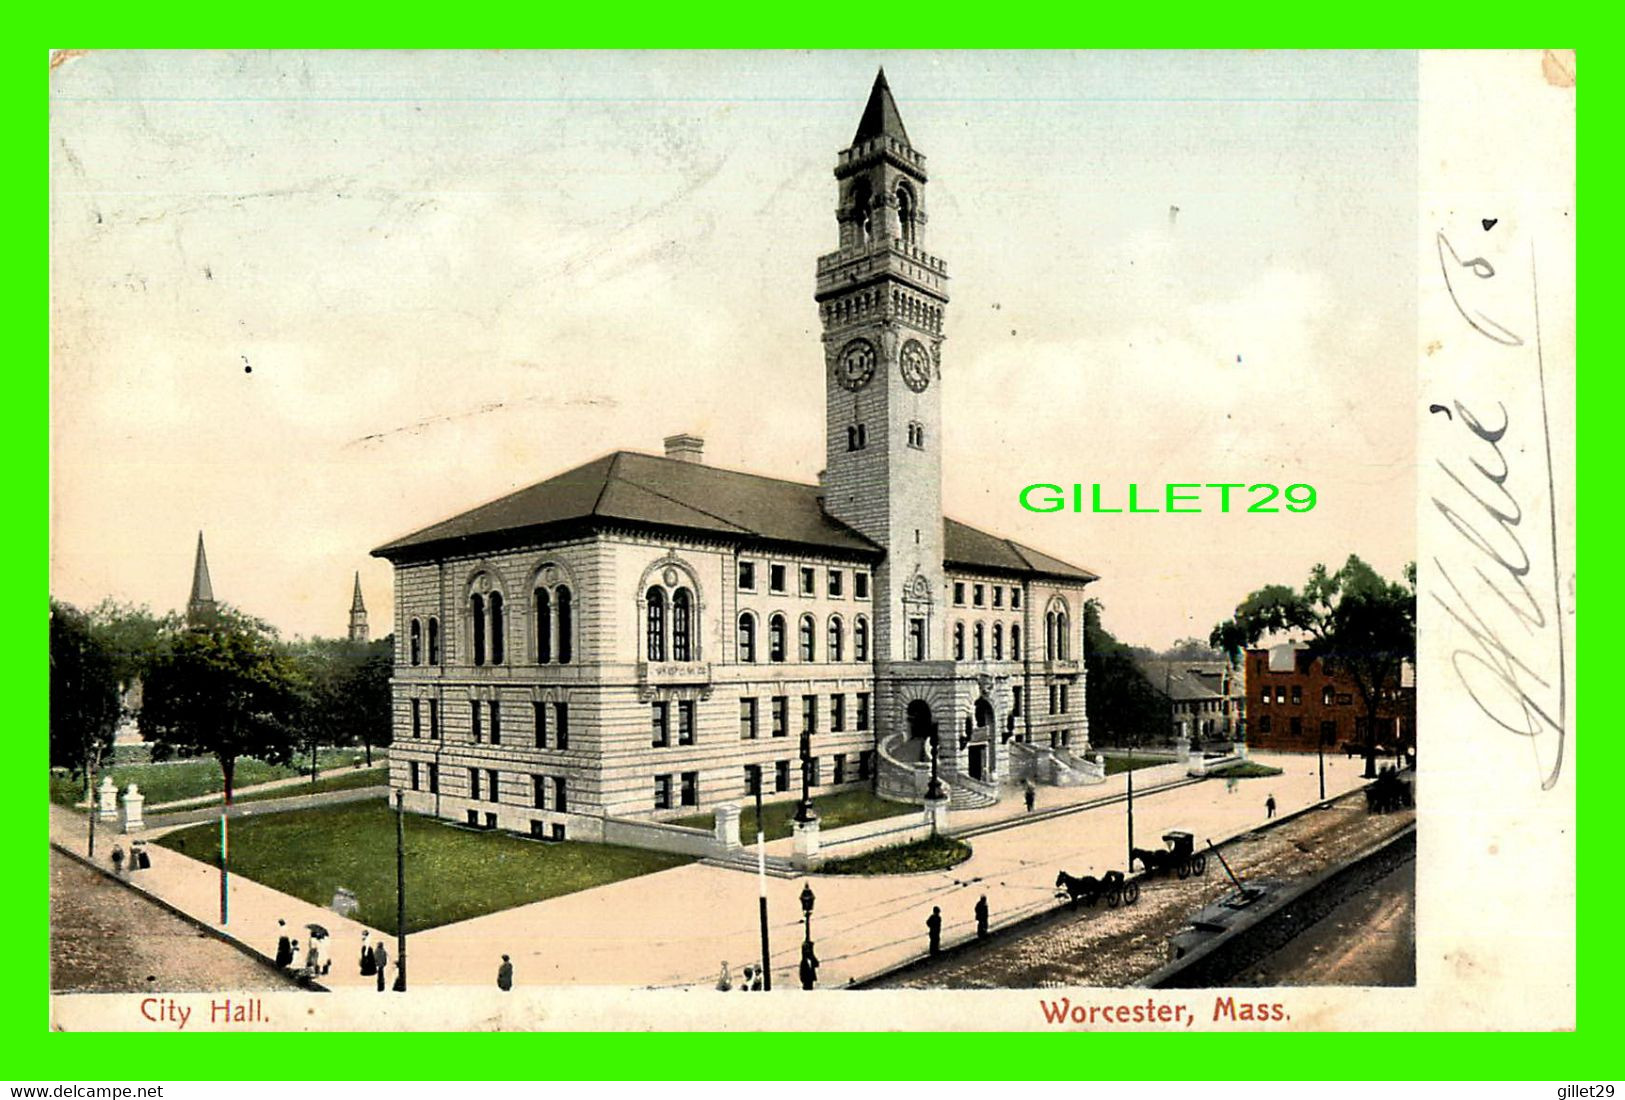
{"x": 310, "y": 302}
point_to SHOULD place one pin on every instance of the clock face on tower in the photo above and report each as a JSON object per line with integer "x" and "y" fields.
{"x": 916, "y": 366}
{"x": 855, "y": 365}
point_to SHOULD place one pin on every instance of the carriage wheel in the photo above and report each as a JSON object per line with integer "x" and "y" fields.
{"x": 1131, "y": 893}
{"x": 1184, "y": 868}
{"x": 1200, "y": 863}
{"x": 1114, "y": 899}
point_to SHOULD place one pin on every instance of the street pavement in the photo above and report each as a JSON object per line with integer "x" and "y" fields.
{"x": 675, "y": 928}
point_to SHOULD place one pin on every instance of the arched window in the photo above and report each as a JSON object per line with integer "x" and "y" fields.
{"x": 434, "y": 641}
{"x": 1049, "y": 636}
{"x": 544, "y": 625}
{"x": 860, "y": 639}
{"x": 747, "y": 638}
{"x": 959, "y": 641}
{"x": 1015, "y": 642}
{"x": 1326, "y": 696}
{"x": 657, "y": 625}
{"x": 809, "y": 638}
{"x": 775, "y": 638}
{"x": 836, "y": 645}
{"x": 1063, "y": 645}
{"x": 565, "y": 609}
{"x": 498, "y": 642}
{"x": 979, "y": 641}
{"x": 907, "y": 215}
{"x": 476, "y": 604}
{"x": 416, "y": 645}
{"x": 861, "y": 197}
{"x": 682, "y": 626}
{"x": 998, "y": 641}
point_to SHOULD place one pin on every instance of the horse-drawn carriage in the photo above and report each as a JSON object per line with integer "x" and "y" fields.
{"x": 1180, "y": 857}
{"x": 1113, "y": 886}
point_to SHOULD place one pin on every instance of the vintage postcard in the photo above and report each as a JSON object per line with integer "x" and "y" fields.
{"x": 931, "y": 540}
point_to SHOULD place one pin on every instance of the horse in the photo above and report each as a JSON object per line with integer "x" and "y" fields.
{"x": 1152, "y": 859}
{"x": 1086, "y": 889}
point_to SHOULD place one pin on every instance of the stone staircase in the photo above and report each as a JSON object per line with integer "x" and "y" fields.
{"x": 744, "y": 859}
{"x": 966, "y": 793}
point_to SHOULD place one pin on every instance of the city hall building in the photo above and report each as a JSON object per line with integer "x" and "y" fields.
{"x": 648, "y": 636}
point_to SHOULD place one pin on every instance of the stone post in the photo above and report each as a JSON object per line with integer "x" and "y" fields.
{"x": 806, "y": 843}
{"x": 727, "y": 826}
{"x": 1196, "y": 766}
{"x": 936, "y": 814}
{"x": 1182, "y": 748}
{"x": 133, "y": 801}
{"x": 109, "y": 799}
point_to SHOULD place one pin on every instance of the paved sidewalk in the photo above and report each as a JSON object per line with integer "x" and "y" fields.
{"x": 674, "y": 928}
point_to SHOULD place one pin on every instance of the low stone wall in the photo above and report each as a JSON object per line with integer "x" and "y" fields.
{"x": 660, "y": 837}
{"x": 888, "y": 832}
{"x": 264, "y": 806}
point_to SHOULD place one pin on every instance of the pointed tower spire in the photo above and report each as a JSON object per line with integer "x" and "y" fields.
{"x": 201, "y": 603}
{"x": 880, "y": 116}
{"x": 358, "y": 613}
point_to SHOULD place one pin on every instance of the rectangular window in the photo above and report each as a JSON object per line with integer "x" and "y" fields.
{"x": 837, "y": 713}
{"x": 1328, "y": 733}
{"x": 840, "y": 769}
{"x": 1264, "y": 723}
{"x": 493, "y": 789}
{"x": 753, "y": 780}
{"x": 434, "y": 719}
{"x": 434, "y": 778}
{"x": 538, "y": 791}
{"x": 660, "y": 724}
{"x": 809, "y": 581}
{"x": 662, "y": 792}
{"x": 978, "y": 595}
{"x": 809, "y": 713}
{"x": 1296, "y": 725}
{"x": 414, "y": 775}
{"x": 496, "y": 722}
{"x": 685, "y": 721}
{"x": 860, "y": 586}
{"x": 538, "y": 830}
{"x": 836, "y": 584}
{"x": 1052, "y": 698}
{"x": 538, "y": 713}
{"x": 561, "y": 725}
{"x": 490, "y": 821}
{"x": 1264, "y": 697}
{"x": 561, "y": 802}
{"x": 1280, "y": 695}
{"x": 747, "y": 719}
{"x": 1015, "y": 701}
{"x": 1297, "y": 695}
{"x": 473, "y": 782}
{"x": 863, "y": 710}
{"x": 474, "y": 711}
{"x": 775, "y": 578}
{"x": 998, "y": 595}
{"x": 1015, "y": 599}
{"x": 474, "y": 818}
{"x": 747, "y": 576}
{"x": 417, "y": 718}
{"x": 959, "y": 593}
{"x": 781, "y": 776}
{"x": 691, "y": 788}
{"x": 916, "y": 639}
{"x": 781, "y": 715}
{"x": 1063, "y": 698}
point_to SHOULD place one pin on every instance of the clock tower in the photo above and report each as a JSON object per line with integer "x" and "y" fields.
{"x": 881, "y": 298}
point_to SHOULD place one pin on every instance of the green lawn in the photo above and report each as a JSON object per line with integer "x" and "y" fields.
{"x": 1245, "y": 769}
{"x": 178, "y": 779}
{"x": 452, "y": 874}
{"x": 1117, "y": 763}
{"x": 935, "y": 854}
{"x": 834, "y": 810}
{"x": 349, "y": 781}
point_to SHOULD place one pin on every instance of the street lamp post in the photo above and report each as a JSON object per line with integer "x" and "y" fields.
{"x": 761, "y": 885}
{"x": 1320, "y": 751}
{"x": 933, "y": 790}
{"x": 400, "y": 892}
{"x": 1130, "y": 863}
{"x": 807, "y": 971}
{"x": 805, "y": 811}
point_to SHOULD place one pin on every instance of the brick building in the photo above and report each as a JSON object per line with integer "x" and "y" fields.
{"x": 1295, "y": 703}
{"x": 649, "y": 635}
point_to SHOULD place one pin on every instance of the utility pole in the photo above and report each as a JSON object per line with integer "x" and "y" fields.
{"x": 225, "y": 813}
{"x": 400, "y": 891}
{"x": 1320, "y": 751}
{"x": 1130, "y": 863}
{"x": 761, "y": 885}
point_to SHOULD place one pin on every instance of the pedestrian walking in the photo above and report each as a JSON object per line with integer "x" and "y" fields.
{"x": 313, "y": 957}
{"x": 139, "y": 859}
{"x": 284, "y": 946}
{"x": 118, "y": 860}
{"x": 756, "y": 982}
{"x": 1269, "y": 806}
{"x": 1029, "y": 794}
{"x": 380, "y": 962}
{"x": 505, "y": 975}
{"x": 981, "y": 918}
{"x": 726, "y": 981}
{"x": 809, "y": 965}
{"x": 933, "y": 926}
{"x": 744, "y": 982}
{"x": 369, "y": 965}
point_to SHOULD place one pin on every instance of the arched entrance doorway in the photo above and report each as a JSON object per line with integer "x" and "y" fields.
{"x": 921, "y": 726}
{"x": 978, "y": 762}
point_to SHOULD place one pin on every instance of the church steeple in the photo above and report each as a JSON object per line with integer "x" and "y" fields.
{"x": 880, "y": 116}
{"x": 201, "y": 604}
{"x": 358, "y": 614}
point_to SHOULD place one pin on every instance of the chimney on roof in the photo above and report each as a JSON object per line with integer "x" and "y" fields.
{"x": 685, "y": 448}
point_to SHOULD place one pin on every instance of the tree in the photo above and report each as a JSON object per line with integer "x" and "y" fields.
{"x": 1190, "y": 649}
{"x": 349, "y": 699}
{"x": 131, "y": 635}
{"x": 84, "y": 693}
{"x": 1353, "y": 618}
{"x": 223, "y": 689}
{"x": 1121, "y": 702}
